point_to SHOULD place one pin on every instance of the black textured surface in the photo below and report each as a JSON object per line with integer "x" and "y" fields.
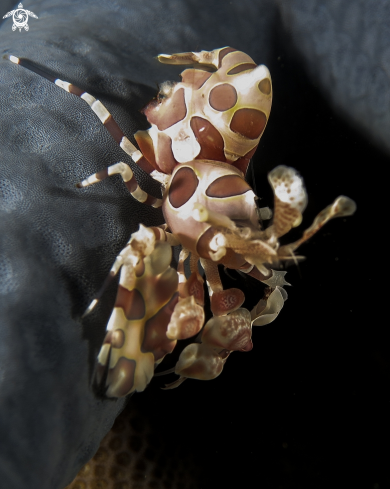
{"x": 308, "y": 407}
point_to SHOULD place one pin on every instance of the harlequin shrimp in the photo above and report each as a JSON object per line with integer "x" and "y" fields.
{"x": 204, "y": 131}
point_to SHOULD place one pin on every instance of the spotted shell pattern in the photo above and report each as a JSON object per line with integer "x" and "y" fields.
{"x": 220, "y": 188}
{"x": 218, "y": 115}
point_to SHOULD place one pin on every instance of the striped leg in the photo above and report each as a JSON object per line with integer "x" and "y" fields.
{"x": 128, "y": 177}
{"x": 161, "y": 234}
{"x": 193, "y": 286}
{"x": 188, "y": 316}
{"x": 100, "y": 110}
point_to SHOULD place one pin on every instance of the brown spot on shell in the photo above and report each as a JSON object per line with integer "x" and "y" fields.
{"x": 209, "y": 138}
{"x": 250, "y": 123}
{"x": 203, "y": 244}
{"x": 164, "y": 155}
{"x": 227, "y": 186}
{"x": 223, "y": 53}
{"x": 195, "y": 78}
{"x": 155, "y": 337}
{"x": 132, "y": 303}
{"x": 223, "y": 97}
{"x": 165, "y": 287}
{"x": 183, "y": 187}
{"x": 242, "y": 67}
{"x": 117, "y": 338}
{"x": 265, "y": 86}
{"x": 124, "y": 370}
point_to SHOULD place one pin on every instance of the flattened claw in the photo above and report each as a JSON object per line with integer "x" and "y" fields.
{"x": 147, "y": 295}
{"x": 231, "y": 332}
{"x": 187, "y": 319}
{"x": 200, "y": 361}
{"x": 268, "y": 309}
{"x": 226, "y": 301}
{"x": 193, "y": 287}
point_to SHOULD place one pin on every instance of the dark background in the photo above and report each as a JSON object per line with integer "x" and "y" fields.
{"x": 308, "y": 407}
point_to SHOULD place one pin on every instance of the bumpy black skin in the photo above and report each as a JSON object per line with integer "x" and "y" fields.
{"x": 57, "y": 242}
